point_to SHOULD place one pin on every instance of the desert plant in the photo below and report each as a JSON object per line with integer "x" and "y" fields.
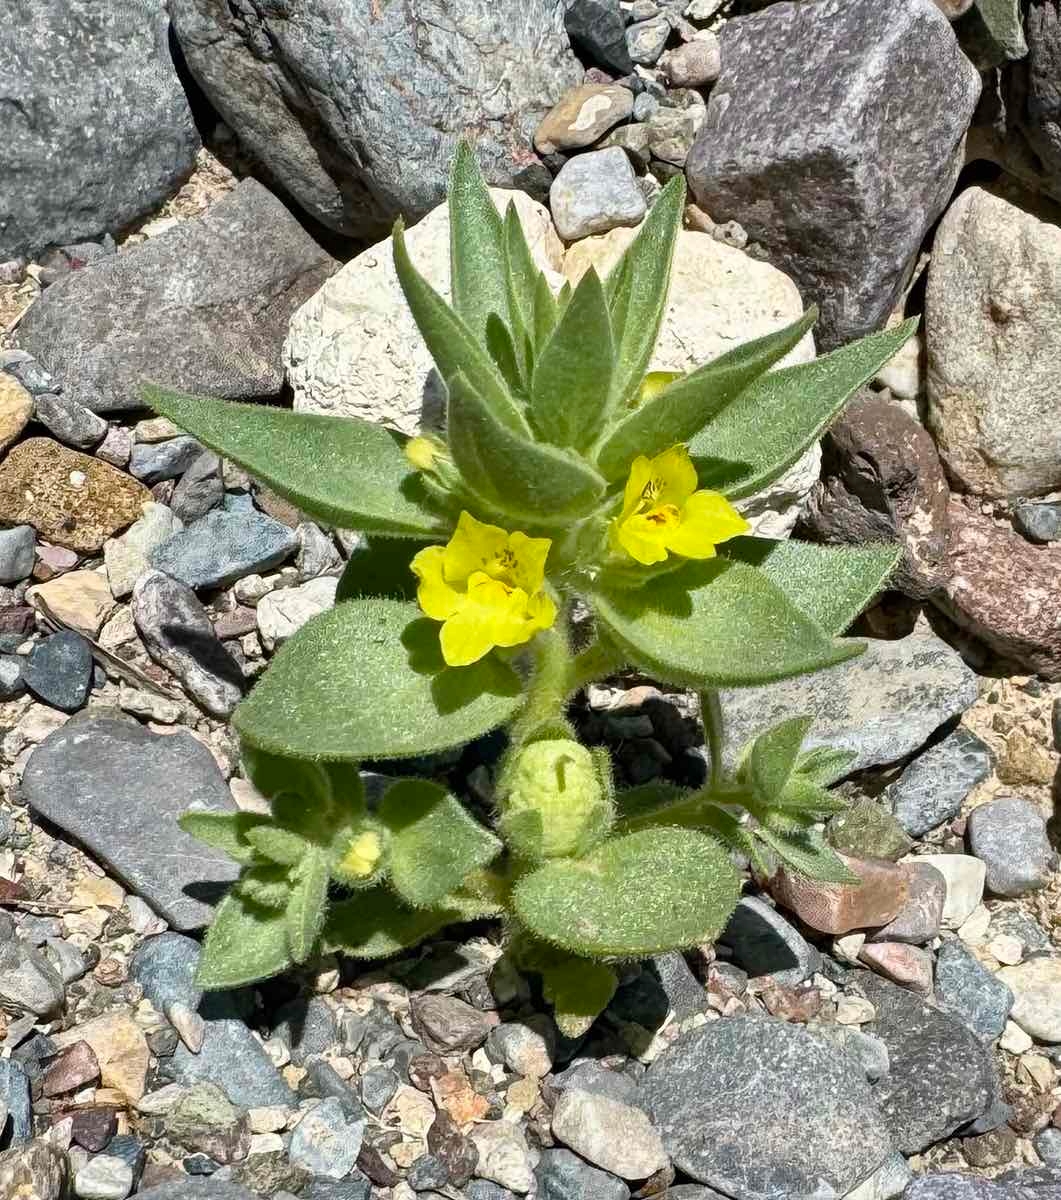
{"x": 566, "y": 473}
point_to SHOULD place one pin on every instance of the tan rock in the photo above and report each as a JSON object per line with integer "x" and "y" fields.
{"x": 120, "y": 1048}
{"x": 454, "y": 1093}
{"x": 16, "y": 408}
{"x": 410, "y": 1111}
{"x": 70, "y": 498}
{"x": 583, "y": 115}
{"x": 840, "y": 907}
{"x": 907, "y": 965}
{"x": 80, "y": 599}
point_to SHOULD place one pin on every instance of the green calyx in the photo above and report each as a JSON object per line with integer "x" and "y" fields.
{"x": 574, "y": 490}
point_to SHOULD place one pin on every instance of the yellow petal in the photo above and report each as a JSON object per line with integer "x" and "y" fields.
{"x": 676, "y": 475}
{"x": 474, "y": 546}
{"x": 640, "y": 476}
{"x": 465, "y": 638}
{"x": 541, "y": 610}
{"x": 434, "y": 594}
{"x": 501, "y": 609}
{"x": 531, "y": 553}
{"x": 707, "y": 519}
{"x": 644, "y": 537}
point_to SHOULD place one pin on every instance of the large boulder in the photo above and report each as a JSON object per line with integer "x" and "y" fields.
{"x": 840, "y": 165}
{"x": 95, "y": 127}
{"x": 355, "y": 107}
{"x": 202, "y": 307}
{"x": 993, "y": 325}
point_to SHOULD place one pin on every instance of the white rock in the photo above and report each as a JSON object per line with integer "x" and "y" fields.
{"x": 126, "y": 557}
{"x": 1036, "y": 987}
{"x": 105, "y": 1177}
{"x": 613, "y": 1136}
{"x": 965, "y": 877}
{"x": 903, "y": 374}
{"x": 504, "y": 1157}
{"x": 282, "y": 613}
{"x": 993, "y": 328}
{"x": 1006, "y": 949}
{"x": 974, "y": 928}
{"x": 353, "y": 349}
{"x": 854, "y": 1010}
{"x": 1014, "y": 1039}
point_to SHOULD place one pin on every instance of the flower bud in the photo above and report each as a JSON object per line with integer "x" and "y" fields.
{"x": 361, "y": 860}
{"x": 554, "y": 803}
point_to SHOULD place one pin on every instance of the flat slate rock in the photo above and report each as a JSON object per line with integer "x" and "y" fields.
{"x": 883, "y": 705}
{"x": 119, "y": 789}
{"x": 759, "y": 1108}
{"x": 932, "y": 788}
{"x": 201, "y": 308}
{"x": 232, "y": 1057}
{"x": 764, "y": 943}
{"x": 196, "y": 1189}
{"x": 942, "y": 1076}
{"x": 58, "y": 671}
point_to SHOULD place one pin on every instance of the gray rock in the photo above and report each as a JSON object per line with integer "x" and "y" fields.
{"x": 595, "y": 192}
{"x": 307, "y": 1028}
{"x": 1008, "y": 835}
{"x": 377, "y": 1087}
{"x": 757, "y": 1108}
{"x": 69, "y": 422}
{"x": 978, "y": 998}
{"x": 316, "y": 551}
{"x": 196, "y": 1189}
{"x": 1039, "y": 521}
{"x": 428, "y": 1172}
{"x": 764, "y": 943}
{"x": 811, "y": 142}
{"x": 1048, "y": 1146}
{"x": 920, "y": 918}
{"x": 589, "y": 1076}
{"x": 645, "y": 40}
{"x": 125, "y": 557}
{"x": 325, "y": 1142}
{"x": 323, "y": 1080}
{"x": 618, "y": 1138}
{"x": 597, "y": 28}
{"x": 446, "y": 1024}
{"x": 201, "y": 308}
{"x": 154, "y": 462}
{"x": 164, "y": 966}
{"x": 17, "y": 547}
{"x": 350, "y": 1188}
{"x": 58, "y": 670}
{"x": 118, "y": 788}
{"x": 883, "y": 705}
{"x": 16, "y": 1103}
{"x": 231, "y": 1054}
{"x": 1021, "y": 925}
{"x": 526, "y": 1047}
{"x": 685, "y": 993}
{"x": 355, "y": 111}
{"x": 954, "y": 1186}
{"x": 180, "y": 637}
{"x": 28, "y": 981}
{"x": 37, "y": 1170}
{"x": 199, "y": 489}
{"x": 941, "y": 1077}
{"x": 70, "y": 175}
{"x": 224, "y": 546}
{"x": 932, "y": 788}
{"x": 562, "y": 1175}
{"x": 484, "y": 1189}
{"x": 12, "y": 684}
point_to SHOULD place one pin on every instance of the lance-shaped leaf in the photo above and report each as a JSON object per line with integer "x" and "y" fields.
{"x": 452, "y": 345}
{"x": 268, "y": 886}
{"x": 716, "y": 624}
{"x": 375, "y": 924}
{"x": 579, "y": 991}
{"x": 367, "y": 680}
{"x": 278, "y": 845}
{"x": 511, "y": 470}
{"x": 340, "y": 470}
{"x": 478, "y": 279}
{"x": 822, "y": 765}
{"x": 305, "y": 909}
{"x": 638, "y": 296}
{"x": 755, "y": 439}
{"x": 640, "y": 894}
{"x": 771, "y": 758}
{"x": 573, "y": 372}
{"x": 226, "y": 832}
{"x": 523, "y": 273}
{"x": 245, "y": 942}
{"x": 678, "y": 411}
{"x": 434, "y": 842}
{"x": 805, "y": 852}
{"x": 831, "y": 584}
{"x": 380, "y": 567}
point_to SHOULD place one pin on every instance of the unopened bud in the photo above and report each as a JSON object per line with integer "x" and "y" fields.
{"x": 553, "y": 799}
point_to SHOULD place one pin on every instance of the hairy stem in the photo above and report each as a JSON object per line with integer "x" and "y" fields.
{"x": 549, "y": 687}
{"x": 714, "y": 733}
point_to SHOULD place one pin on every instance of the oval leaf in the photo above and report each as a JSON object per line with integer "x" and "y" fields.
{"x": 375, "y": 924}
{"x": 367, "y": 680}
{"x": 647, "y": 892}
{"x": 245, "y": 943}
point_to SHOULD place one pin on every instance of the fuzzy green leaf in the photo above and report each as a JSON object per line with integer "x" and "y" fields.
{"x": 478, "y": 278}
{"x": 803, "y": 796}
{"x": 452, "y": 345}
{"x": 715, "y": 624}
{"x": 640, "y": 894}
{"x": 680, "y": 410}
{"x": 638, "y": 297}
{"x": 639, "y": 804}
{"x": 340, "y": 470}
{"x": 268, "y": 886}
{"x": 579, "y": 991}
{"x": 305, "y": 909}
{"x": 573, "y": 372}
{"x": 245, "y": 943}
{"x": 506, "y": 468}
{"x": 380, "y": 567}
{"x": 523, "y": 272}
{"x": 824, "y": 766}
{"x": 772, "y": 757}
{"x": 375, "y": 924}
{"x": 434, "y": 842}
{"x": 276, "y": 775}
{"x": 806, "y": 853}
{"x": 831, "y": 584}
{"x": 226, "y": 832}
{"x": 367, "y": 680}
{"x": 754, "y": 440}
{"x": 502, "y": 350}
{"x": 278, "y": 845}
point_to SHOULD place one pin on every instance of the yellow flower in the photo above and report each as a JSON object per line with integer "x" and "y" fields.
{"x": 423, "y": 451}
{"x": 486, "y": 585}
{"x": 664, "y": 513}
{"x": 362, "y": 855}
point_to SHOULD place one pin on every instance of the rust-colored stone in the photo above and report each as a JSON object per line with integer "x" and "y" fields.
{"x": 72, "y": 1068}
{"x": 840, "y": 907}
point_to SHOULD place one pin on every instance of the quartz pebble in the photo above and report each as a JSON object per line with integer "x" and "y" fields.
{"x": 965, "y": 877}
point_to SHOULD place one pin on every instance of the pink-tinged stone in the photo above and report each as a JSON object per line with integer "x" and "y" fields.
{"x": 909, "y": 966}
{"x": 1004, "y": 590}
{"x": 52, "y": 561}
{"x": 920, "y": 918}
{"x": 840, "y": 907}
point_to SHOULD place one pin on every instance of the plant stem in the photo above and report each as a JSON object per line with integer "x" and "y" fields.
{"x": 714, "y": 732}
{"x": 548, "y": 689}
